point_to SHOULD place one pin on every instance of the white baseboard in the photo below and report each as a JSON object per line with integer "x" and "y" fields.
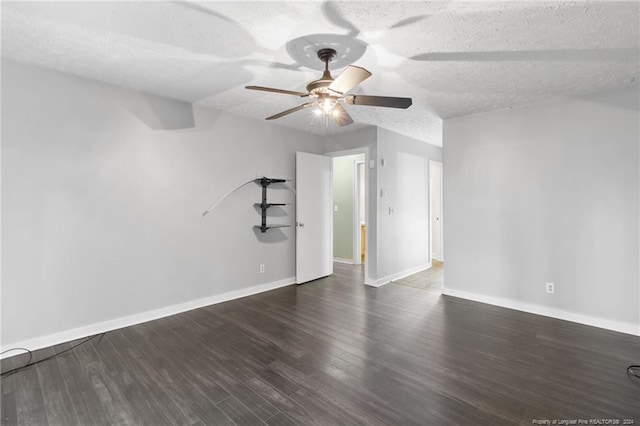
{"x": 371, "y": 282}
{"x": 399, "y": 275}
{"x": 375, "y": 283}
{"x": 622, "y": 327}
{"x": 114, "y": 324}
{"x": 343, "y": 260}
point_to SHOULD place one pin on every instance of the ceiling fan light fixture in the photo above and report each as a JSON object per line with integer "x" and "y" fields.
{"x": 326, "y": 105}
{"x": 326, "y": 93}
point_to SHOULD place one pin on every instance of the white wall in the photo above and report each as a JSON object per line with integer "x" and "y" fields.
{"x": 547, "y": 193}
{"x": 102, "y": 194}
{"x": 403, "y": 187}
{"x": 101, "y": 204}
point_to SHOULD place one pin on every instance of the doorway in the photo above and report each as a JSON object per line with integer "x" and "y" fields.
{"x": 350, "y": 210}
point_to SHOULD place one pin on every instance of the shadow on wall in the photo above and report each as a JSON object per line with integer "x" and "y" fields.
{"x": 274, "y": 211}
{"x": 168, "y": 114}
{"x": 273, "y": 235}
{"x": 627, "y": 104}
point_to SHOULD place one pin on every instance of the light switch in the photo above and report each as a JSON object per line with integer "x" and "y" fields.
{"x": 335, "y": 208}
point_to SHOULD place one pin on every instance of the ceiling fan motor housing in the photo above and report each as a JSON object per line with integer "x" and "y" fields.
{"x": 326, "y": 55}
{"x": 319, "y": 86}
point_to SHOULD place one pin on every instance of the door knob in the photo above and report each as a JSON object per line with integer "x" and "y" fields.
{"x": 301, "y": 224}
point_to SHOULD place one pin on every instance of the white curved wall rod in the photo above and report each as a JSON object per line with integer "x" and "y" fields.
{"x": 221, "y": 199}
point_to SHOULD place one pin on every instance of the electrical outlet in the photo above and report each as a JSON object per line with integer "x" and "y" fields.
{"x": 262, "y": 269}
{"x": 550, "y": 288}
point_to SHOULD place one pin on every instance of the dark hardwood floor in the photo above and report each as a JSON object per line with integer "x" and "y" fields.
{"x": 430, "y": 279}
{"x": 333, "y": 352}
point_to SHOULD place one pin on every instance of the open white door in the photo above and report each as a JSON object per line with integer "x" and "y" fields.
{"x": 435, "y": 209}
{"x": 314, "y": 220}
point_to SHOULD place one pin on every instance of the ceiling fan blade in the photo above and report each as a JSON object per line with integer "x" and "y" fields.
{"x": 379, "y": 101}
{"x": 340, "y": 116}
{"x": 289, "y": 111}
{"x": 350, "y": 78}
{"x": 271, "y": 89}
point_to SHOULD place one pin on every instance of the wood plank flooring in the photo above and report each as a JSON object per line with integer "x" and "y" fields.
{"x": 430, "y": 279}
{"x": 333, "y": 352}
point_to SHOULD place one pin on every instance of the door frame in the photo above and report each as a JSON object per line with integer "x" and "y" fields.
{"x": 356, "y": 238}
{"x": 357, "y": 242}
{"x": 436, "y": 167}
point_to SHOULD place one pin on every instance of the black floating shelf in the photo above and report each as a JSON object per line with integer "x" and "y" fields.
{"x": 265, "y": 181}
{"x": 264, "y": 228}
{"x": 264, "y": 205}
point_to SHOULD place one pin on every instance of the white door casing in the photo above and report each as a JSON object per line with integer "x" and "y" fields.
{"x": 358, "y": 210}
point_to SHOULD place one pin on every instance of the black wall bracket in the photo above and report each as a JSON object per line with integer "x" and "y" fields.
{"x": 264, "y": 205}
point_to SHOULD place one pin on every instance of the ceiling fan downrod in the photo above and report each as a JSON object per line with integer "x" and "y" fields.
{"x": 326, "y": 56}
{"x": 318, "y": 86}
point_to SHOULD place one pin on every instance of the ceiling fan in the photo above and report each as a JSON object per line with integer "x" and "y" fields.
{"x": 327, "y": 92}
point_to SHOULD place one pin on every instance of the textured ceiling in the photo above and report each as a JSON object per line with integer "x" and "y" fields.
{"x": 452, "y": 58}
